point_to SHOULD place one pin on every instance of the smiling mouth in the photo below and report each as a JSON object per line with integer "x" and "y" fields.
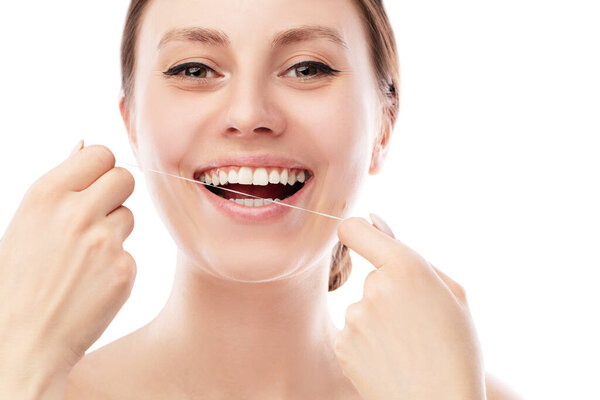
{"x": 271, "y": 183}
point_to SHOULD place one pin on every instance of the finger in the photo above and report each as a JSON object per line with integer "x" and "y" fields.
{"x": 82, "y": 168}
{"x": 121, "y": 221}
{"x": 455, "y": 287}
{"x": 377, "y": 247}
{"x": 111, "y": 190}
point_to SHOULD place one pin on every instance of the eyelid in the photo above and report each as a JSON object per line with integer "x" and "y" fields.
{"x": 323, "y": 69}
{"x": 177, "y": 69}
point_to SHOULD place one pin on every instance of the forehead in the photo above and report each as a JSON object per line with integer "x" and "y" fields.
{"x": 252, "y": 23}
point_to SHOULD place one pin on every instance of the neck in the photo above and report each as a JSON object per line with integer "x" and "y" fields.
{"x": 257, "y": 340}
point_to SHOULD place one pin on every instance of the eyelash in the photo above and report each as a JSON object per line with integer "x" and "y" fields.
{"x": 322, "y": 70}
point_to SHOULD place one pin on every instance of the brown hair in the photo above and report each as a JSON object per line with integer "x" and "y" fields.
{"x": 384, "y": 58}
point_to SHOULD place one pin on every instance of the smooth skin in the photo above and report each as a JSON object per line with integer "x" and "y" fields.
{"x": 65, "y": 274}
{"x": 247, "y": 316}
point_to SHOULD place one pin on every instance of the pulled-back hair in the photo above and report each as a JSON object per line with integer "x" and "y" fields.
{"x": 385, "y": 64}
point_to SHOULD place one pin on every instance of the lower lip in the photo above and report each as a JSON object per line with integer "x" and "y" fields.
{"x": 255, "y": 214}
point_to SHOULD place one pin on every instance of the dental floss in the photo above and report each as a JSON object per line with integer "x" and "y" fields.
{"x": 234, "y": 191}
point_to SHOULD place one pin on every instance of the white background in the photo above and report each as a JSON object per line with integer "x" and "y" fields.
{"x": 492, "y": 176}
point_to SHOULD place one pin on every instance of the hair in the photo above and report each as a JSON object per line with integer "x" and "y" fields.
{"x": 384, "y": 57}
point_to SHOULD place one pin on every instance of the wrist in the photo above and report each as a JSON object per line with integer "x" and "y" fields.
{"x": 32, "y": 379}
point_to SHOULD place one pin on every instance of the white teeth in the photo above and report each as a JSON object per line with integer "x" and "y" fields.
{"x": 233, "y": 176}
{"x": 292, "y": 178}
{"x": 245, "y": 176}
{"x": 274, "y": 176}
{"x": 222, "y": 177}
{"x": 253, "y": 176}
{"x": 254, "y": 202}
{"x": 283, "y": 177}
{"x": 260, "y": 177}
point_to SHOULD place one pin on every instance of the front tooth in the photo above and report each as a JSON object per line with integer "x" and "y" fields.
{"x": 222, "y": 177}
{"x": 301, "y": 176}
{"x": 233, "y": 176}
{"x": 249, "y": 202}
{"x": 245, "y": 176}
{"x": 240, "y": 201}
{"x": 260, "y": 177}
{"x": 215, "y": 178}
{"x": 292, "y": 178}
{"x": 258, "y": 202}
{"x": 207, "y": 179}
{"x": 283, "y": 177}
{"x": 274, "y": 176}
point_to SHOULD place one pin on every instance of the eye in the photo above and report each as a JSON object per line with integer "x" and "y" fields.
{"x": 306, "y": 70}
{"x": 192, "y": 69}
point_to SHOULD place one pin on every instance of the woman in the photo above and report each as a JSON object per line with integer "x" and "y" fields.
{"x": 243, "y": 95}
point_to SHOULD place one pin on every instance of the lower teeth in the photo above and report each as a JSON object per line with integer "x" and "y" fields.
{"x": 254, "y": 202}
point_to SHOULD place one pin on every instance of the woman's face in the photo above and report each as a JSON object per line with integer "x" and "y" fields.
{"x": 242, "y": 101}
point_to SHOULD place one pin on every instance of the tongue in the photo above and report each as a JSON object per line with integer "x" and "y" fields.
{"x": 270, "y": 191}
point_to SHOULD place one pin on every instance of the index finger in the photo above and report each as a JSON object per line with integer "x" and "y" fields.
{"x": 80, "y": 170}
{"x": 377, "y": 247}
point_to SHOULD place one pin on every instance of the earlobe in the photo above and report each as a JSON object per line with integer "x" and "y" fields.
{"x": 380, "y": 149}
{"x": 127, "y": 121}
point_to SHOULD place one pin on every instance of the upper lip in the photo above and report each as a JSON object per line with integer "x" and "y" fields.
{"x": 252, "y": 160}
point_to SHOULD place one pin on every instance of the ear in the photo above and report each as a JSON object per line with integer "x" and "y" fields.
{"x": 381, "y": 147}
{"x": 127, "y": 120}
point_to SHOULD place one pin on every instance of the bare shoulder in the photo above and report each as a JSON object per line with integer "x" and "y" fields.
{"x": 107, "y": 373}
{"x": 498, "y": 390}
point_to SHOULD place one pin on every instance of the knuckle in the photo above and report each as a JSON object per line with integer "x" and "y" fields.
{"x": 410, "y": 271}
{"x": 377, "y": 291}
{"x": 102, "y": 154}
{"x": 373, "y": 285}
{"x": 125, "y": 270}
{"x": 354, "y": 315}
{"x": 99, "y": 239}
{"x": 460, "y": 291}
{"x": 129, "y": 219}
{"x": 125, "y": 176}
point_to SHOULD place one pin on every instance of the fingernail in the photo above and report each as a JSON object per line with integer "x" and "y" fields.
{"x": 381, "y": 225}
{"x": 77, "y": 147}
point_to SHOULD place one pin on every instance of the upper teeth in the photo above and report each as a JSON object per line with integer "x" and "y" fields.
{"x": 253, "y": 176}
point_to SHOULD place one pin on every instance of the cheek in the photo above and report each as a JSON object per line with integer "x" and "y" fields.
{"x": 338, "y": 127}
{"x": 167, "y": 125}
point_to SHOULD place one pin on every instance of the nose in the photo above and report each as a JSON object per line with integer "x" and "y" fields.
{"x": 252, "y": 110}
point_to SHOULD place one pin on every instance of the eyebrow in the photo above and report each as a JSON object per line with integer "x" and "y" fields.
{"x": 216, "y": 37}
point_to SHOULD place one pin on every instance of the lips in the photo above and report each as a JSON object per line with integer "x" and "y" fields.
{"x": 264, "y": 176}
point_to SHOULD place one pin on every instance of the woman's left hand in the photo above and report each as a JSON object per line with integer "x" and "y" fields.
{"x": 411, "y": 336}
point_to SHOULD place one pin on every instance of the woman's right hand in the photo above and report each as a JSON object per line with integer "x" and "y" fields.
{"x": 64, "y": 274}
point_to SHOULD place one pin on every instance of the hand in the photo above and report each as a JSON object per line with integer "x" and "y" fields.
{"x": 411, "y": 336}
{"x": 64, "y": 273}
